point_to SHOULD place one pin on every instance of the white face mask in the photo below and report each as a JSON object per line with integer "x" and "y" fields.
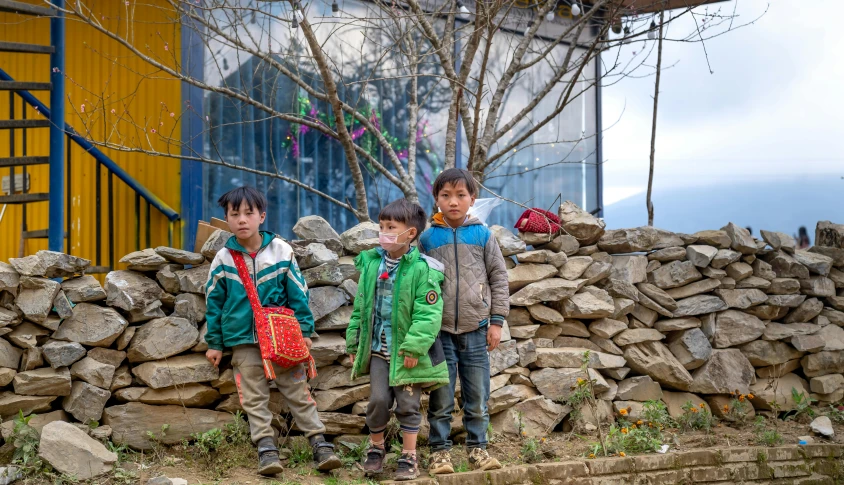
{"x": 389, "y": 241}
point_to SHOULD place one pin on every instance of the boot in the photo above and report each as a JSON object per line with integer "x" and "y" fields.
{"x": 324, "y": 456}
{"x": 268, "y": 463}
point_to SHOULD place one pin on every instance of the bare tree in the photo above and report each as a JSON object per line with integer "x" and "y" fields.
{"x": 650, "y": 204}
{"x": 495, "y": 78}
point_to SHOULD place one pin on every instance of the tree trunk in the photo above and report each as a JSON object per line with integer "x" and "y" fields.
{"x": 653, "y": 126}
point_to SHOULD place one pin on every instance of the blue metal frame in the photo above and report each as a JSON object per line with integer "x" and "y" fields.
{"x": 55, "y": 232}
{"x": 192, "y": 180}
{"x": 94, "y": 152}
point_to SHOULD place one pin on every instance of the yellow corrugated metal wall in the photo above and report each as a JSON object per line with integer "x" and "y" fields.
{"x": 115, "y": 87}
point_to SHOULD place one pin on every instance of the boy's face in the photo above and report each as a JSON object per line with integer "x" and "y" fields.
{"x": 405, "y": 233}
{"x": 454, "y": 201}
{"x": 244, "y": 221}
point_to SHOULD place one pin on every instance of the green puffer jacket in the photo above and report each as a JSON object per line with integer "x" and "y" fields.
{"x": 417, "y": 313}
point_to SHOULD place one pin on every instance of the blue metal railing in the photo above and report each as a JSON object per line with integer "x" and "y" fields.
{"x": 98, "y": 155}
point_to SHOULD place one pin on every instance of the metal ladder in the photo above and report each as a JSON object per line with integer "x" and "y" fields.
{"x": 17, "y": 164}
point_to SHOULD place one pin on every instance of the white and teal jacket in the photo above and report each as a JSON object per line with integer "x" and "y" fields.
{"x": 278, "y": 279}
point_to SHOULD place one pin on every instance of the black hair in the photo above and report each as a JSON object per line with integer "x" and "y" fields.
{"x": 234, "y": 198}
{"x": 455, "y": 176}
{"x": 803, "y": 232}
{"x": 405, "y": 212}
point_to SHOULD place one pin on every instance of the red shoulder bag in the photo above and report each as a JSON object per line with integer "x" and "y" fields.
{"x": 538, "y": 220}
{"x": 279, "y": 335}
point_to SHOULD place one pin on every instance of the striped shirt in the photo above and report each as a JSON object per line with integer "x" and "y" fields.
{"x": 382, "y": 328}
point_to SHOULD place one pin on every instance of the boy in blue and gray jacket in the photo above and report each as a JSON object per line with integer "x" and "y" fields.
{"x": 476, "y": 300}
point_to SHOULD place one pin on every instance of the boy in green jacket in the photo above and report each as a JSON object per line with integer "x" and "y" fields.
{"x": 392, "y": 334}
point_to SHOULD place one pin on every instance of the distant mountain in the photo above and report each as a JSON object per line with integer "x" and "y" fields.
{"x": 773, "y": 204}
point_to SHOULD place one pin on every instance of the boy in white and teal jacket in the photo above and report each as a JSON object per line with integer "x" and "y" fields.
{"x": 230, "y": 324}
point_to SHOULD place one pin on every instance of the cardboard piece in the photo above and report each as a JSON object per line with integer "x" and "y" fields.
{"x": 219, "y": 224}
{"x": 203, "y": 232}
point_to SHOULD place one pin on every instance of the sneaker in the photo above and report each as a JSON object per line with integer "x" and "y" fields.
{"x": 374, "y": 463}
{"x": 440, "y": 463}
{"x": 480, "y": 460}
{"x": 324, "y": 456}
{"x": 268, "y": 463}
{"x": 406, "y": 468}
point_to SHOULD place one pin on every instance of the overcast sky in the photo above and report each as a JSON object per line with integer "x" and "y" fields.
{"x": 774, "y": 106}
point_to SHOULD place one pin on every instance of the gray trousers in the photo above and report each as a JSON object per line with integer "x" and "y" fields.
{"x": 382, "y": 396}
{"x": 254, "y": 391}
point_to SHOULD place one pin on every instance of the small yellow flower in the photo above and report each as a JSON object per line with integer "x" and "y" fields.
{"x": 622, "y": 412}
{"x": 580, "y": 380}
{"x": 591, "y": 455}
{"x": 623, "y": 430}
{"x": 639, "y": 422}
{"x": 542, "y": 440}
{"x": 694, "y": 410}
{"x": 741, "y": 398}
{"x": 726, "y": 407}
{"x": 750, "y": 396}
{"x": 622, "y": 454}
{"x": 524, "y": 433}
{"x": 702, "y": 406}
{"x": 632, "y": 426}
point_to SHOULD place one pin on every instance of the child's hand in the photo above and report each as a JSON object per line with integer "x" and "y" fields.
{"x": 410, "y": 362}
{"x": 352, "y": 358}
{"x": 214, "y": 356}
{"x": 493, "y": 337}
{"x": 308, "y": 343}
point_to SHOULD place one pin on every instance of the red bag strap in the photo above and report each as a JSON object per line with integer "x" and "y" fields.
{"x": 249, "y": 286}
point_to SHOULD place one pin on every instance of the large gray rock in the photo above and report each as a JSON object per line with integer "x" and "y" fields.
{"x": 779, "y": 331}
{"x": 326, "y": 299}
{"x": 763, "y": 353}
{"x": 735, "y": 328}
{"x": 153, "y": 310}
{"x": 725, "y": 371}
{"x": 131, "y": 422}
{"x": 629, "y": 240}
{"x": 183, "y": 369}
{"x": 691, "y": 348}
{"x": 719, "y": 239}
{"x": 742, "y": 299}
{"x": 328, "y": 274}
{"x": 548, "y": 290}
{"x": 639, "y": 388}
{"x": 35, "y": 298}
{"x": 701, "y": 255}
{"x": 725, "y": 257}
{"x": 93, "y": 372}
{"x": 215, "y": 242}
{"x": 558, "y": 383}
{"x": 360, "y": 238}
{"x": 763, "y": 270}
{"x": 658, "y": 296}
{"x": 629, "y": 268}
{"x": 699, "y": 305}
{"x": 62, "y": 354}
{"x": 637, "y": 335}
{"x": 676, "y": 253}
{"x": 591, "y": 303}
{"x": 833, "y": 335}
{"x": 674, "y": 274}
{"x": 567, "y": 357}
{"x": 72, "y": 452}
{"x": 837, "y": 254}
{"x": 817, "y": 286}
{"x": 676, "y": 324}
{"x": 43, "y": 382}
{"x": 822, "y": 425}
{"x": 525, "y": 274}
{"x": 85, "y": 402}
{"x": 829, "y": 234}
{"x": 585, "y": 227}
{"x": 144, "y": 260}
{"x": 92, "y": 325}
{"x": 740, "y": 271}
{"x": 779, "y": 240}
{"x": 817, "y": 263}
{"x": 698, "y": 287}
{"x": 534, "y": 417}
{"x": 83, "y": 289}
{"x": 328, "y": 348}
{"x": 509, "y": 395}
{"x": 9, "y": 278}
{"x": 823, "y": 363}
{"x": 805, "y": 312}
{"x": 783, "y": 286}
{"x": 129, "y": 290}
{"x": 789, "y": 301}
{"x": 11, "y": 404}
{"x": 336, "y": 320}
{"x": 785, "y": 266}
{"x": 334, "y": 399}
{"x": 335, "y": 376}
{"x": 191, "y": 307}
{"x": 740, "y": 238}
{"x": 168, "y": 279}
{"x": 655, "y": 360}
{"x": 827, "y": 384}
{"x": 504, "y": 356}
{"x": 314, "y": 227}
{"x": 50, "y": 264}
{"x": 575, "y": 267}
{"x": 779, "y": 391}
{"x": 607, "y": 327}
{"x": 507, "y": 241}
{"x": 313, "y": 255}
{"x": 190, "y": 395}
{"x": 180, "y": 256}
{"x": 28, "y": 335}
{"x": 193, "y": 280}
{"x": 808, "y": 343}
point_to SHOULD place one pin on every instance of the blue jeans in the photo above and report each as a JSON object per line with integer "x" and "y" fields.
{"x": 467, "y": 357}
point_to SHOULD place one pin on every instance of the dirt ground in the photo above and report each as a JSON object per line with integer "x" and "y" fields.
{"x": 557, "y": 447}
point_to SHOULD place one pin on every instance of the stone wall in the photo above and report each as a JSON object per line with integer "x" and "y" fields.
{"x": 666, "y": 316}
{"x": 810, "y": 464}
